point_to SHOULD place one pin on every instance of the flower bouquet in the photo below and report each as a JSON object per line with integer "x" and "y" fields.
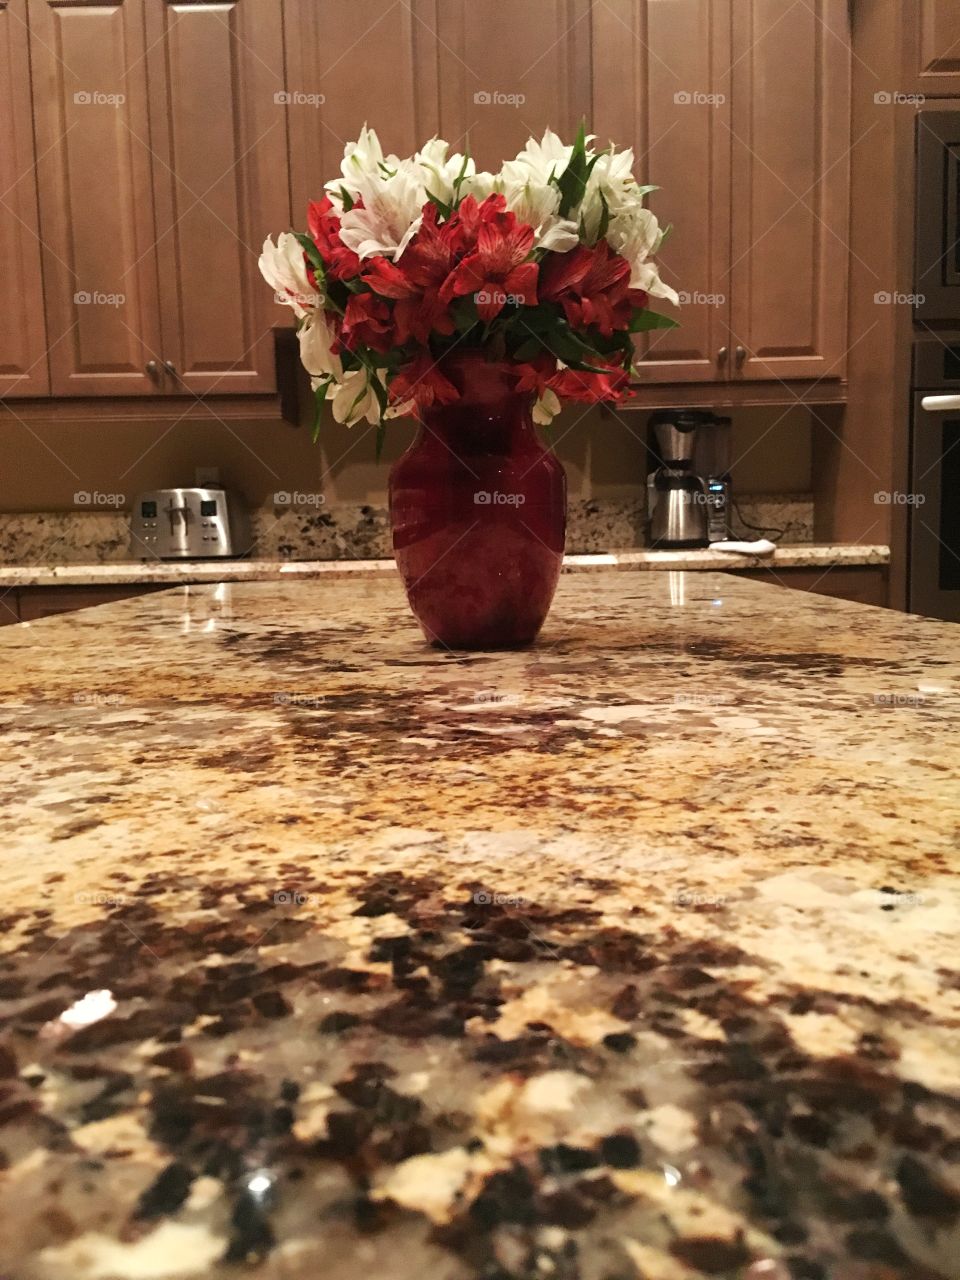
{"x": 478, "y": 303}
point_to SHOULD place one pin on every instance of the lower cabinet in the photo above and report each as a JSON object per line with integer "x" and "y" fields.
{"x": 866, "y": 585}
{"x": 29, "y": 604}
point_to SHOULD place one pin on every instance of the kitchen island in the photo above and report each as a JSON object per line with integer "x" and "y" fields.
{"x": 632, "y": 955}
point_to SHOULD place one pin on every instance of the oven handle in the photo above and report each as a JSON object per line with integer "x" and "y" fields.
{"x": 940, "y": 404}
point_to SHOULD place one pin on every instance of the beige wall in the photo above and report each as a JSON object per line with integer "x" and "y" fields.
{"x": 42, "y": 464}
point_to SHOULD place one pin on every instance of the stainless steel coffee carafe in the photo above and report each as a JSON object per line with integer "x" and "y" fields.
{"x": 677, "y": 504}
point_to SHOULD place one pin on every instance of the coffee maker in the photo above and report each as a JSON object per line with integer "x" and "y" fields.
{"x": 676, "y": 497}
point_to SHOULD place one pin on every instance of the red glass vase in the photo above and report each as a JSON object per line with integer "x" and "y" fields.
{"x": 478, "y": 508}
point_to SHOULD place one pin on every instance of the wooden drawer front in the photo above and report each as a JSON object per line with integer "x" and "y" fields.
{"x": 45, "y": 602}
{"x": 867, "y": 585}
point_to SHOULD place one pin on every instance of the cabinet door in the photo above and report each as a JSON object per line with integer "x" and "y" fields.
{"x": 332, "y": 48}
{"x": 791, "y": 112}
{"x": 661, "y": 85}
{"x": 218, "y": 124}
{"x": 96, "y": 204}
{"x": 23, "y": 340}
{"x": 935, "y": 39}
{"x": 509, "y": 71}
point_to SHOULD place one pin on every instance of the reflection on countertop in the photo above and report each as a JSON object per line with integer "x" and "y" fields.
{"x": 801, "y": 555}
{"x": 630, "y": 955}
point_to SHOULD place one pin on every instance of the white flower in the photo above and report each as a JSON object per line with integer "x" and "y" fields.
{"x": 354, "y": 398}
{"x": 316, "y": 339}
{"x": 546, "y": 408}
{"x": 392, "y": 211}
{"x": 537, "y": 204}
{"x": 480, "y": 185}
{"x": 362, "y": 160}
{"x": 611, "y": 181}
{"x": 283, "y": 267}
{"x": 635, "y": 234}
{"x": 440, "y": 171}
{"x": 539, "y": 161}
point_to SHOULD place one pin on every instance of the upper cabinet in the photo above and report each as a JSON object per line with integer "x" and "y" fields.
{"x": 169, "y": 137}
{"x": 161, "y": 131}
{"x": 510, "y": 70}
{"x": 94, "y": 175}
{"x": 218, "y": 116}
{"x": 338, "y": 80}
{"x": 740, "y": 112}
{"x": 23, "y": 342}
{"x": 790, "y": 243}
{"x": 661, "y": 85}
{"x": 933, "y": 42}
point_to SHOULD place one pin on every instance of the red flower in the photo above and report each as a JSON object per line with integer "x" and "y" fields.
{"x": 497, "y": 270}
{"x": 414, "y": 282}
{"x": 422, "y": 382}
{"x": 367, "y": 320}
{"x": 535, "y": 375}
{"x": 324, "y": 227}
{"x": 591, "y": 388}
{"x": 419, "y": 310}
{"x": 592, "y": 286}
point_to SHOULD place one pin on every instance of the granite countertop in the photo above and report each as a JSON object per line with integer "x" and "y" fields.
{"x": 628, "y": 957}
{"x": 801, "y": 555}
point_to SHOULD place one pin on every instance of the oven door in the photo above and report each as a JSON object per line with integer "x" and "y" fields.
{"x": 934, "y": 500}
{"x": 937, "y": 274}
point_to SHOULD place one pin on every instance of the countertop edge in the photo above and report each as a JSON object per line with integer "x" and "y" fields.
{"x": 801, "y": 555}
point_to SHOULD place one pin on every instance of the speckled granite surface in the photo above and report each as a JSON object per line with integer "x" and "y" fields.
{"x": 318, "y": 531}
{"x": 629, "y": 957}
{"x": 802, "y": 556}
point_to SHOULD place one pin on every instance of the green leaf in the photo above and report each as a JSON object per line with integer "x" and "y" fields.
{"x": 604, "y": 218}
{"x": 381, "y": 436}
{"x": 646, "y": 320}
{"x": 573, "y": 181}
{"x": 311, "y": 250}
{"x": 665, "y": 233}
{"x": 461, "y": 176}
{"x": 347, "y": 199}
{"x": 444, "y": 208}
{"x": 528, "y": 350}
{"x": 465, "y": 314}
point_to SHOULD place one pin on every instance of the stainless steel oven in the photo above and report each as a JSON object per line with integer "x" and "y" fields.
{"x": 937, "y": 244}
{"x": 933, "y": 501}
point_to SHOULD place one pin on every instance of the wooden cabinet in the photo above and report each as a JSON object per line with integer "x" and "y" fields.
{"x": 661, "y": 85}
{"x": 219, "y": 142}
{"x": 862, "y": 585}
{"x": 790, "y": 121}
{"x": 23, "y": 342}
{"x": 398, "y": 51}
{"x": 162, "y": 167}
{"x": 509, "y": 71}
{"x": 96, "y": 203}
{"x": 30, "y": 604}
{"x": 933, "y": 43}
{"x": 740, "y": 112}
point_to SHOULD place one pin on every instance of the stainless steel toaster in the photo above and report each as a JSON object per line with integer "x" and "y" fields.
{"x": 188, "y": 524}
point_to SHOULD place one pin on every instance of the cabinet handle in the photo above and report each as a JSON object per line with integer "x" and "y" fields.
{"x": 741, "y": 356}
{"x": 170, "y": 367}
{"x": 151, "y": 368}
{"x": 722, "y": 356}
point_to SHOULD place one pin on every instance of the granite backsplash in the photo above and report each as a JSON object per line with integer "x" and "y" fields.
{"x": 359, "y": 532}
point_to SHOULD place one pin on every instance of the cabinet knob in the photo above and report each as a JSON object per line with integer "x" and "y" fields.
{"x": 170, "y": 367}
{"x": 151, "y": 368}
{"x": 741, "y": 355}
{"x": 722, "y": 356}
